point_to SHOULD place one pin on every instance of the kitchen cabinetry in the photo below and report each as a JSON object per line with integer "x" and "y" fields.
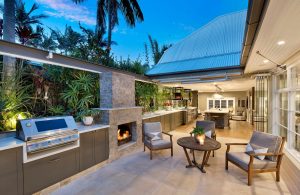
{"x": 190, "y": 115}
{"x": 168, "y": 121}
{"x": 11, "y": 175}
{"x": 42, "y": 173}
{"x": 94, "y": 148}
{"x": 101, "y": 145}
{"x": 87, "y": 154}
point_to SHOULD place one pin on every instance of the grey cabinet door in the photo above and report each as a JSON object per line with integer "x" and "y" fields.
{"x": 87, "y": 152}
{"x": 42, "y": 173}
{"x": 162, "y": 122}
{"x": 101, "y": 145}
{"x": 167, "y": 122}
{"x": 11, "y": 179}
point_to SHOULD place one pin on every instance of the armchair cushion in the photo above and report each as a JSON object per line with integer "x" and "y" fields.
{"x": 158, "y": 144}
{"x": 252, "y": 148}
{"x": 208, "y": 134}
{"x": 272, "y": 142}
{"x": 150, "y": 129}
{"x": 242, "y": 159}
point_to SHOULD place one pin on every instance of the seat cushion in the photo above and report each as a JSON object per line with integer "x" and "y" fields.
{"x": 158, "y": 144}
{"x": 272, "y": 142}
{"x": 242, "y": 159}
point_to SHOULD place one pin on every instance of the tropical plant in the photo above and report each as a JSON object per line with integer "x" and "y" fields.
{"x": 13, "y": 105}
{"x": 56, "y": 110}
{"x": 24, "y": 21}
{"x": 163, "y": 95}
{"x": 145, "y": 94}
{"x": 45, "y": 41}
{"x": 67, "y": 41}
{"x": 88, "y": 112}
{"x": 198, "y": 130}
{"x": 157, "y": 51}
{"x": 108, "y": 16}
{"x": 80, "y": 93}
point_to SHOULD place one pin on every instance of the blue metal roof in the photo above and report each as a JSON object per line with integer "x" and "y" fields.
{"x": 218, "y": 44}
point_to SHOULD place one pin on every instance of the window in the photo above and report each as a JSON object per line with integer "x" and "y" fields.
{"x": 288, "y": 108}
{"x": 230, "y": 103}
{"x": 210, "y": 104}
{"x": 224, "y": 103}
{"x": 217, "y": 103}
{"x": 282, "y": 81}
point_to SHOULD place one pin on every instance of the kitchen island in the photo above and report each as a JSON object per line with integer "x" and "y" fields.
{"x": 220, "y": 117}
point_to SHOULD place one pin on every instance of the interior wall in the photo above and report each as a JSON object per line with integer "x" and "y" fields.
{"x": 202, "y": 98}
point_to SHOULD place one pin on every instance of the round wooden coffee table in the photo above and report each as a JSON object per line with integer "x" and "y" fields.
{"x": 189, "y": 143}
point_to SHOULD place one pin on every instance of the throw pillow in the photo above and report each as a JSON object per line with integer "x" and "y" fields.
{"x": 252, "y": 148}
{"x": 155, "y": 135}
{"x": 208, "y": 134}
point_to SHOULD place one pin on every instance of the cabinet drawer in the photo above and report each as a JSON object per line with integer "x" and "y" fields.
{"x": 42, "y": 173}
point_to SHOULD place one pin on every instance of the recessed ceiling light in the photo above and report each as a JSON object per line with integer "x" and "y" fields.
{"x": 215, "y": 83}
{"x": 266, "y": 61}
{"x": 280, "y": 42}
{"x": 176, "y": 85}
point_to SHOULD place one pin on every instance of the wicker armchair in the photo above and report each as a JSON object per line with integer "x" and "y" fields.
{"x": 153, "y": 139}
{"x": 249, "y": 162}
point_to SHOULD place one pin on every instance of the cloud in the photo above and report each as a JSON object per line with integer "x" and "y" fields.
{"x": 68, "y": 10}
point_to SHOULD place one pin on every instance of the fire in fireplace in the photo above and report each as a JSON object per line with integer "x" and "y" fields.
{"x": 124, "y": 134}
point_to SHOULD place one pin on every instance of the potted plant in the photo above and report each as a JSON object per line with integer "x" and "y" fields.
{"x": 87, "y": 116}
{"x": 168, "y": 106}
{"x": 199, "y": 135}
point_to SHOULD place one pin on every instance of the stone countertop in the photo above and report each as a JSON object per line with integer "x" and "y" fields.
{"x": 84, "y": 129}
{"x": 160, "y": 113}
{"x": 217, "y": 111}
{"x": 10, "y": 142}
{"x": 13, "y": 142}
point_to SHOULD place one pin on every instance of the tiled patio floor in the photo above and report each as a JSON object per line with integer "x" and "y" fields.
{"x": 136, "y": 174}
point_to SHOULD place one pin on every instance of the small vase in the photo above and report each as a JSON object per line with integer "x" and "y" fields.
{"x": 87, "y": 120}
{"x": 199, "y": 138}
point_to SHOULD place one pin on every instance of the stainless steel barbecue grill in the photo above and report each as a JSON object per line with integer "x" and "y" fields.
{"x": 46, "y": 133}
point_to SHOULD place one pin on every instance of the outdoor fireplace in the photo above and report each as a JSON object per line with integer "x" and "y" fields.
{"x": 124, "y": 133}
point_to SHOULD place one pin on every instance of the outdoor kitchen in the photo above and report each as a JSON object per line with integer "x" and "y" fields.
{"x": 50, "y": 143}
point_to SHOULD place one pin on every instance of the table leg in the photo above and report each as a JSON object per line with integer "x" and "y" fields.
{"x": 203, "y": 162}
{"x": 194, "y": 155}
{"x": 190, "y": 165}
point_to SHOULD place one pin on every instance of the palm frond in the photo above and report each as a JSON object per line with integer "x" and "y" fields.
{"x": 137, "y": 10}
{"x": 127, "y": 11}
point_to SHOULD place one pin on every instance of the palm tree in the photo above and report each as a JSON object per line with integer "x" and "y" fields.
{"x": 157, "y": 52}
{"x": 24, "y": 22}
{"x": 9, "y": 20}
{"x": 67, "y": 41}
{"x": 107, "y": 12}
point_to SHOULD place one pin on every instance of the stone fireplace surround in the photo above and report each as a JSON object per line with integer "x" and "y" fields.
{"x": 117, "y": 105}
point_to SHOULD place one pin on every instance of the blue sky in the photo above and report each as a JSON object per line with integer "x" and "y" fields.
{"x": 168, "y": 21}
